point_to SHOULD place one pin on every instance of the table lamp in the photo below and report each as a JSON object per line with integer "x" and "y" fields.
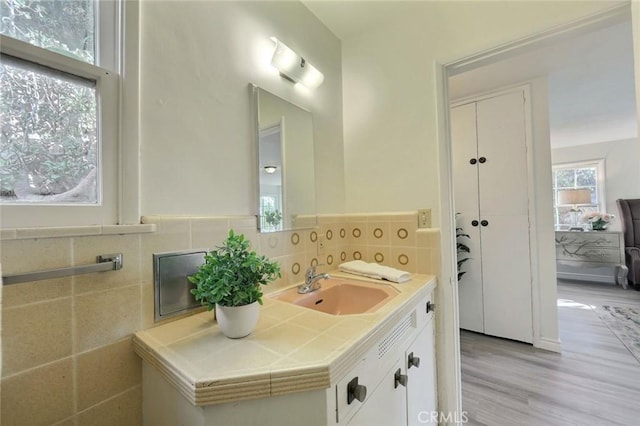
{"x": 573, "y": 198}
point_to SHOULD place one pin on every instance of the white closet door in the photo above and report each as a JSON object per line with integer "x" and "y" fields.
{"x": 465, "y": 182}
{"x": 503, "y": 189}
{"x": 506, "y": 274}
{"x": 501, "y": 142}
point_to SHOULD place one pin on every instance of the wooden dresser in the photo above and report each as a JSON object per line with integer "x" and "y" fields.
{"x": 591, "y": 256}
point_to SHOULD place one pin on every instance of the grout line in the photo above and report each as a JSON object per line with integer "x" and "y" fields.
{"x": 31, "y": 369}
{"x": 72, "y": 295}
{"x": 39, "y": 302}
{"x": 104, "y": 290}
{"x": 72, "y": 356}
{"x": 74, "y": 346}
{"x": 65, "y": 421}
{"x": 118, "y": 395}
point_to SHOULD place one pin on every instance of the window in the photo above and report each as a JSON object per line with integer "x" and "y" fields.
{"x": 585, "y": 175}
{"x": 49, "y": 148}
{"x": 59, "y": 68}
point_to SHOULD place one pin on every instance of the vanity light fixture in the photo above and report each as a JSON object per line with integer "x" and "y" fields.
{"x": 270, "y": 169}
{"x": 294, "y": 67}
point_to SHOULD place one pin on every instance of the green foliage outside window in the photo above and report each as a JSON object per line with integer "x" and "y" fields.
{"x": 48, "y": 119}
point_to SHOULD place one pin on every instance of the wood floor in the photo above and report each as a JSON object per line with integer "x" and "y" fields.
{"x": 595, "y": 381}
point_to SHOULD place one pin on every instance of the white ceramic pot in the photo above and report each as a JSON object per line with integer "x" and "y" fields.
{"x": 237, "y": 321}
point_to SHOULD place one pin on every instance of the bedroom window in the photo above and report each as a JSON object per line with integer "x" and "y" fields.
{"x": 583, "y": 175}
{"x": 59, "y": 69}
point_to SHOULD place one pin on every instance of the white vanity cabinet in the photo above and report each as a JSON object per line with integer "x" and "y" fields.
{"x": 387, "y": 403}
{"x": 405, "y": 393}
{"x": 420, "y": 365}
{"x": 374, "y": 379}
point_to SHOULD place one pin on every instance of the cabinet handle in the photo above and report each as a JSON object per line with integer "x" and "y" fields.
{"x": 482, "y": 160}
{"x": 356, "y": 391}
{"x": 414, "y": 361}
{"x": 431, "y": 307}
{"x": 484, "y": 223}
{"x": 473, "y": 161}
{"x": 474, "y": 223}
{"x": 400, "y": 379}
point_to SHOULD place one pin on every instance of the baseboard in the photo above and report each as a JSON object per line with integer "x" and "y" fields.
{"x": 548, "y": 345}
{"x": 587, "y": 277}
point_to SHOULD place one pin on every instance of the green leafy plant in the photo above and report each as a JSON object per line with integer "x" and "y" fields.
{"x": 232, "y": 275}
{"x": 462, "y": 249}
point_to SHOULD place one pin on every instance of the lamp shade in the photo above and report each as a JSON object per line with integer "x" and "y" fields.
{"x": 574, "y": 196}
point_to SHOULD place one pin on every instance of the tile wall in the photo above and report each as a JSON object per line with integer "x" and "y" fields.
{"x": 390, "y": 239}
{"x": 66, "y": 343}
{"x": 67, "y": 356}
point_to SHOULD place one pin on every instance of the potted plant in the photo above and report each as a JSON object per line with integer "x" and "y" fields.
{"x": 462, "y": 249}
{"x": 599, "y": 221}
{"x": 230, "y": 282}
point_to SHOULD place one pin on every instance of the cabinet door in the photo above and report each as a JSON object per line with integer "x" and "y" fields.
{"x": 422, "y": 401}
{"x": 503, "y": 189}
{"x": 494, "y": 191}
{"x": 465, "y": 186}
{"x": 506, "y": 278}
{"x": 386, "y": 405}
{"x": 502, "y": 177}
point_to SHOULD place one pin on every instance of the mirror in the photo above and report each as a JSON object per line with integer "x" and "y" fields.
{"x": 286, "y": 165}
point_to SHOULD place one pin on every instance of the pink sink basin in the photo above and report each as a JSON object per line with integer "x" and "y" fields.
{"x": 339, "y": 296}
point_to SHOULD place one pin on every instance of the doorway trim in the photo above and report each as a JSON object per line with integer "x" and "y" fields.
{"x": 443, "y": 70}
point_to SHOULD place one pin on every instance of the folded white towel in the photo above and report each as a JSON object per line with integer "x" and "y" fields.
{"x": 373, "y": 270}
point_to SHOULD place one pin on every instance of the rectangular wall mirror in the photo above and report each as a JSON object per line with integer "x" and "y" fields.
{"x": 286, "y": 164}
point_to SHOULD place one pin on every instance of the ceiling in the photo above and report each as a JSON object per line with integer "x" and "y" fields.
{"x": 347, "y": 18}
{"x": 591, "y": 77}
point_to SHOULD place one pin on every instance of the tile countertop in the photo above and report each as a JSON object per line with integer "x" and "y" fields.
{"x": 293, "y": 349}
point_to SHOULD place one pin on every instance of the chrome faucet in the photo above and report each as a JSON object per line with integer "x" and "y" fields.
{"x": 311, "y": 281}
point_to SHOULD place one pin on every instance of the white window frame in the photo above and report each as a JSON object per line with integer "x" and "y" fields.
{"x": 600, "y": 182}
{"x": 116, "y": 78}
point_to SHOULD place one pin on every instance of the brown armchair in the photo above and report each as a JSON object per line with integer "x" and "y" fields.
{"x": 630, "y": 219}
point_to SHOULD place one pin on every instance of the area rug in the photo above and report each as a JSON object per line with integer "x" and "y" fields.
{"x": 625, "y": 324}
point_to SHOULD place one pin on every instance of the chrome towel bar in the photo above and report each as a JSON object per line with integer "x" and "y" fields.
{"x": 105, "y": 262}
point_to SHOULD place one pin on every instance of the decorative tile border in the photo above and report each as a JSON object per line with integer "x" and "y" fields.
{"x": 369, "y": 237}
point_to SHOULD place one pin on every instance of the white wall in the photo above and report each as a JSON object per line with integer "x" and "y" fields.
{"x": 545, "y": 312}
{"x": 198, "y": 58}
{"x": 635, "y": 25}
{"x": 622, "y": 174}
{"x": 394, "y": 157}
{"x": 389, "y": 91}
